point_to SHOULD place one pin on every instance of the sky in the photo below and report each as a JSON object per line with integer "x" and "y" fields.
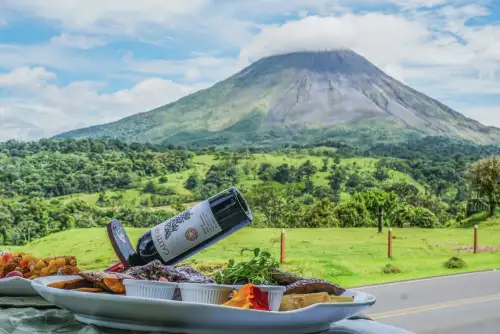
{"x": 66, "y": 64}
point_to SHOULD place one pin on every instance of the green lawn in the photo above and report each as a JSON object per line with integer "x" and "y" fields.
{"x": 350, "y": 257}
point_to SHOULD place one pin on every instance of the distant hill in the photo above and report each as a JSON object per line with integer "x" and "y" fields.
{"x": 298, "y": 98}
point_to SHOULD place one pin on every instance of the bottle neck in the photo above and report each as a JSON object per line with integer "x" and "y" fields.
{"x": 135, "y": 260}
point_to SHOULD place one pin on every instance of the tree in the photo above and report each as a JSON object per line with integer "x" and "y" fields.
{"x": 352, "y": 214}
{"x": 321, "y": 192}
{"x": 325, "y": 164}
{"x": 308, "y": 186}
{"x": 102, "y": 200}
{"x": 149, "y": 188}
{"x": 335, "y": 180}
{"x": 266, "y": 172}
{"x": 424, "y": 218}
{"x": 354, "y": 183}
{"x": 404, "y": 190}
{"x": 192, "y": 182}
{"x": 415, "y": 216}
{"x": 381, "y": 174}
{"x": 307, "y": 169}
{"x": 378, "y": 203}
{"x": 403, "y": 215}
{"x": 284, "y": 174}
{"x": 276, "y": 204}
{"x": 485, "y": 177}
{"x": 322, "y": 214}
{"x": 222, "y": 175}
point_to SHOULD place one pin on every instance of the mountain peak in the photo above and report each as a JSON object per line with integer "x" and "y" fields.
{"x": 298, "y": 97}
{"x": 341, "y": 61}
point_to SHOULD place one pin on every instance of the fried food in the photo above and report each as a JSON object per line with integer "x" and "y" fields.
{"x": 72, "y": 284}
{"x": 112, "y": 282}
{"x": 68, "y": 270}
{"x": 95, "y": 282}
{"x": 33, "y": 267}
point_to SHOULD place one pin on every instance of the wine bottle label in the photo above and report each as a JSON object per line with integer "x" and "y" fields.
{"x": 185, "y": 231}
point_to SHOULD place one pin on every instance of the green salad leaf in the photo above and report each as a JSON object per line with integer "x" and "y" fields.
{"x": 257, "y": 270}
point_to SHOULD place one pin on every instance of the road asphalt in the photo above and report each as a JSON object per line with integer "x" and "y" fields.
{"x": 458, "y": 304}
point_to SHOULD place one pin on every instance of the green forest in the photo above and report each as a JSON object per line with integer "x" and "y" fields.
{"x": 51, "y": 185}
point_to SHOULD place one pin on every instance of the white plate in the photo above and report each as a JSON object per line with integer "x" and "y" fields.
{"x": 16, "y": 286}
{"x": 133, "y": 313}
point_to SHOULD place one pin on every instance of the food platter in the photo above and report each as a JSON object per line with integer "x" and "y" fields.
{"x": 136, "y": 313}
{"x": 16, "y": 286}
{"x": 17, "y": 270}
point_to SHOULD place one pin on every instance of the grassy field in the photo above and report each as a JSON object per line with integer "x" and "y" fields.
{"x": 202, "y": 163}
{"x": 349, "y": 257}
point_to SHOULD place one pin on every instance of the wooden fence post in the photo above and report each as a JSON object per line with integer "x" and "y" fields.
{"x": 282, "y": 257}
{"x": 475, "y": 238}
{"x": 389, "y": 244}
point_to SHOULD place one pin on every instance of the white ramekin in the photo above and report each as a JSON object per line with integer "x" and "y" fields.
{"x": 275, "y": 294}
{"x": 216, "y": 294}
{"x": 149, "y": 289}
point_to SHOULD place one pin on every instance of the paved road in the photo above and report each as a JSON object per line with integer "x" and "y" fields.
{"x": 461, "y": 304}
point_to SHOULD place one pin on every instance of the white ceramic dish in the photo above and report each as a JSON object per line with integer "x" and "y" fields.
{"x": 275, "y": 294}
{"x": 215, "y": 294}
{"x": 133, "y": 313}
{"x": 149, "y": 289}
{"x": 16, "y": 286}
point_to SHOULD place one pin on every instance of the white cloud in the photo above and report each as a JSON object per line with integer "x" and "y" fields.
{"x": 51, "y": 109}
{"x": 407, "y": 48}
{"x": 108, "y": 16}
{"x": 386, "y": 36}
{"x": 77, "y": 41}
{"x": 26, "y": 77}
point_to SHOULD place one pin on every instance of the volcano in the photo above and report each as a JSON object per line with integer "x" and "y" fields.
{"x": 298, "y": 97}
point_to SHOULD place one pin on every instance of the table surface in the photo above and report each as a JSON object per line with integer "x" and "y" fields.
{"x": 52, "y": 320}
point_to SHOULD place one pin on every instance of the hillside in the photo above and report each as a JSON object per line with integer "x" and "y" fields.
{"x": 298, "y": 98}
{"x": 201, "y": 164}
{"x": 56, "y": 185}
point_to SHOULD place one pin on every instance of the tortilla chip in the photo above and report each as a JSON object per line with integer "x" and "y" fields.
{"x": 71, "y": 284}
{"x": 108, "y": 281}
{"x": 113, "y": 284}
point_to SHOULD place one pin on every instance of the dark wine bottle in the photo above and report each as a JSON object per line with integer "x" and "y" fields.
{"x": 193, "y": 230}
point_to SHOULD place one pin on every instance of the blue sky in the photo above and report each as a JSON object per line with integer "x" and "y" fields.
{"x": 66, "y": 64}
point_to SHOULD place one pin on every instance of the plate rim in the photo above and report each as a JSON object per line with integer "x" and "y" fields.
{"x": 39, "y": 284}
{"x": 17, "y": 287}
{"x": 14, "y": 278}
